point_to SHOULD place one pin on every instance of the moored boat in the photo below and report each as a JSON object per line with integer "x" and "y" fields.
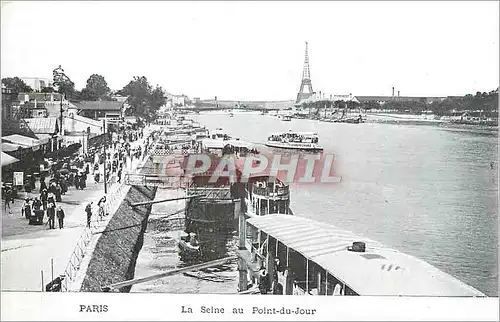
{"x": 295, "y": 140}
{"x": 305, "y": 257}
{"x": 188, "y": 243}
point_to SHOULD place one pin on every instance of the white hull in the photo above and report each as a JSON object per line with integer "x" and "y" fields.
{"x": 295, "y": 146}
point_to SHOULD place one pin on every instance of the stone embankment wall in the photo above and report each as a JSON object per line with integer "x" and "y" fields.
{"x": 115, "y": 254}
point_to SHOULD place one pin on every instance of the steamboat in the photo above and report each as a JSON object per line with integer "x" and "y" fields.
{"x": 307, "y": 141}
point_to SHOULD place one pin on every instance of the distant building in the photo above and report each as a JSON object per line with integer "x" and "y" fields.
{"x": 385, "y": 99}
{"x": 179, "y": 100}
{"x": 37, "y": 83}
{"x": 119, "y": 98}
{"x": 98, "y": 110}
{"x": 33, "y": 105}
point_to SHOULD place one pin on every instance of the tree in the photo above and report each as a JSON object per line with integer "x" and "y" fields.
{"x": 48, "y": 89}
{"x": 64, "y": 84}
{"x": 157, "y": 99}
{"x": 16, "y": 84}
{"x": 144, "y": 101}
{"x": 97, "y": 88}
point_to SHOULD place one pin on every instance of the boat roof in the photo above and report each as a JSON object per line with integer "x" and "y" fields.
{"x": 213, "y": 144}
{"x": 238, "y": 143}
{"x": 377, "y": 271}
{"x": 220, "y": 144}
{"x": 293, "y": 132}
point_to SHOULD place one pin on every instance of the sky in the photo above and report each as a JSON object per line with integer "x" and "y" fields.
{"x": 255, "y": 50}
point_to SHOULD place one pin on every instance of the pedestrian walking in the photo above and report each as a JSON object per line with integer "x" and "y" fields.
{"x": 43, "y": 185}
{"x": 53, "y": 187}
{"x": 26, "y": 210}
{"x": 51, "y": 198}
{"x": 51, "y": 213}
{"x": 60, "y": 217}
{"x": 37, "y": 204}
{"x": 44, "y": 197}
{"x": 64, "y": 185}
{"x": 7, "y": 197}
{"x": 58, "y": 193}
{"x": 101, "y": 204}
{"x": 88, "y": 210}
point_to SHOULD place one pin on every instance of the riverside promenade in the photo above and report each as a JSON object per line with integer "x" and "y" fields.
{"x": 30, "y": 252}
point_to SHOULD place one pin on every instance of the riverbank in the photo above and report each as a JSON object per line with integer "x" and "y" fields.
{"x": 113, "y": 259}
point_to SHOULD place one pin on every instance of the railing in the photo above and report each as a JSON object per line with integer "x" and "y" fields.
{"x": 76, "y": 258}
{"x": 269, "y": 192}
{"x": 163, "y": 181}
{"x": 211, "y": 193}
{"x": 113, "y": 200}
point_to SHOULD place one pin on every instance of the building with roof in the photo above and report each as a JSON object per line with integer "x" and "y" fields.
{"x": 46, "y": 130}
{"x": 98, "y": 110}
{"x": 80, "y": 129}
{"x": 20, "y": 146}
{"x": 385, "y": 99}
{"x": 37, "y": 83}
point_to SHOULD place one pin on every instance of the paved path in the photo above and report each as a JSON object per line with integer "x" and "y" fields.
{"x": 29, "y": 250}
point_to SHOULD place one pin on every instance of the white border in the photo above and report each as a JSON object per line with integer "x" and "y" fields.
{"x": 167, "y": 307}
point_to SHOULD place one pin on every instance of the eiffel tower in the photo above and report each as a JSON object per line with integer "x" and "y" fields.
{"x": 306, "y": 81}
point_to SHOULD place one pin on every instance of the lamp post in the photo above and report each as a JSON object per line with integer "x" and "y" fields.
{"x": 105, "y": 165}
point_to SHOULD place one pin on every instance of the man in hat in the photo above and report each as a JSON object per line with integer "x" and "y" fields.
{"x": 263, "y": 281}
{"x": 60, "y": 216}
{"x": 44, "y": 195}
{"x": 51, "y": 213}
{"x": 7, "y": 196}
{"x": 43, "y": 185}
{"x": 193, "y": 240}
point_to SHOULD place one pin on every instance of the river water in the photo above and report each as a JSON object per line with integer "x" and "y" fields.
{"x": 426, "y": 190}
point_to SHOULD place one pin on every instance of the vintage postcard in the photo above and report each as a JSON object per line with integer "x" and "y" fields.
{"x": 180, "y": 160}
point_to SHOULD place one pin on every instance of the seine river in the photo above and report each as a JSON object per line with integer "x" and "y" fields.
{"x": 426, "y": 190}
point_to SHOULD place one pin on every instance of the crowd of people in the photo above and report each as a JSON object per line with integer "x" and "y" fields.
{"x": 74, "y": 171}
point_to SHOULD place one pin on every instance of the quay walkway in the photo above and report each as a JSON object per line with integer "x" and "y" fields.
{"x": 32, "y": 256}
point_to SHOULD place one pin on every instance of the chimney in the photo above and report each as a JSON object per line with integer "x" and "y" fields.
{"x": 392, "y": 91}
{"x": 398, "y": 93}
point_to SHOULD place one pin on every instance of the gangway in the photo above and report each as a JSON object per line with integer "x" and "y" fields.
{"x": 217, "y": 262}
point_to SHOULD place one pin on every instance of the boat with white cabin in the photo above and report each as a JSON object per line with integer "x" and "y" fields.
{"x": 295, "y": 140}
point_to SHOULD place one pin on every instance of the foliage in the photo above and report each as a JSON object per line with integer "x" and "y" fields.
{"x": 48, "y": 89}
{"x": 144, "y": 101}
{"x": 64, "y": 84}
{"x": 16, "y": 84}
{"x": 486, "y": 102}
{"x": 97, "y": 88}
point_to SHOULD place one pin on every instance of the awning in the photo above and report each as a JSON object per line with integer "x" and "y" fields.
{"x": 23, "y": 141}
{"x": 7, "y": 159}
{"x": 44, "y": 138}
{"x": 9, "y": 147}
